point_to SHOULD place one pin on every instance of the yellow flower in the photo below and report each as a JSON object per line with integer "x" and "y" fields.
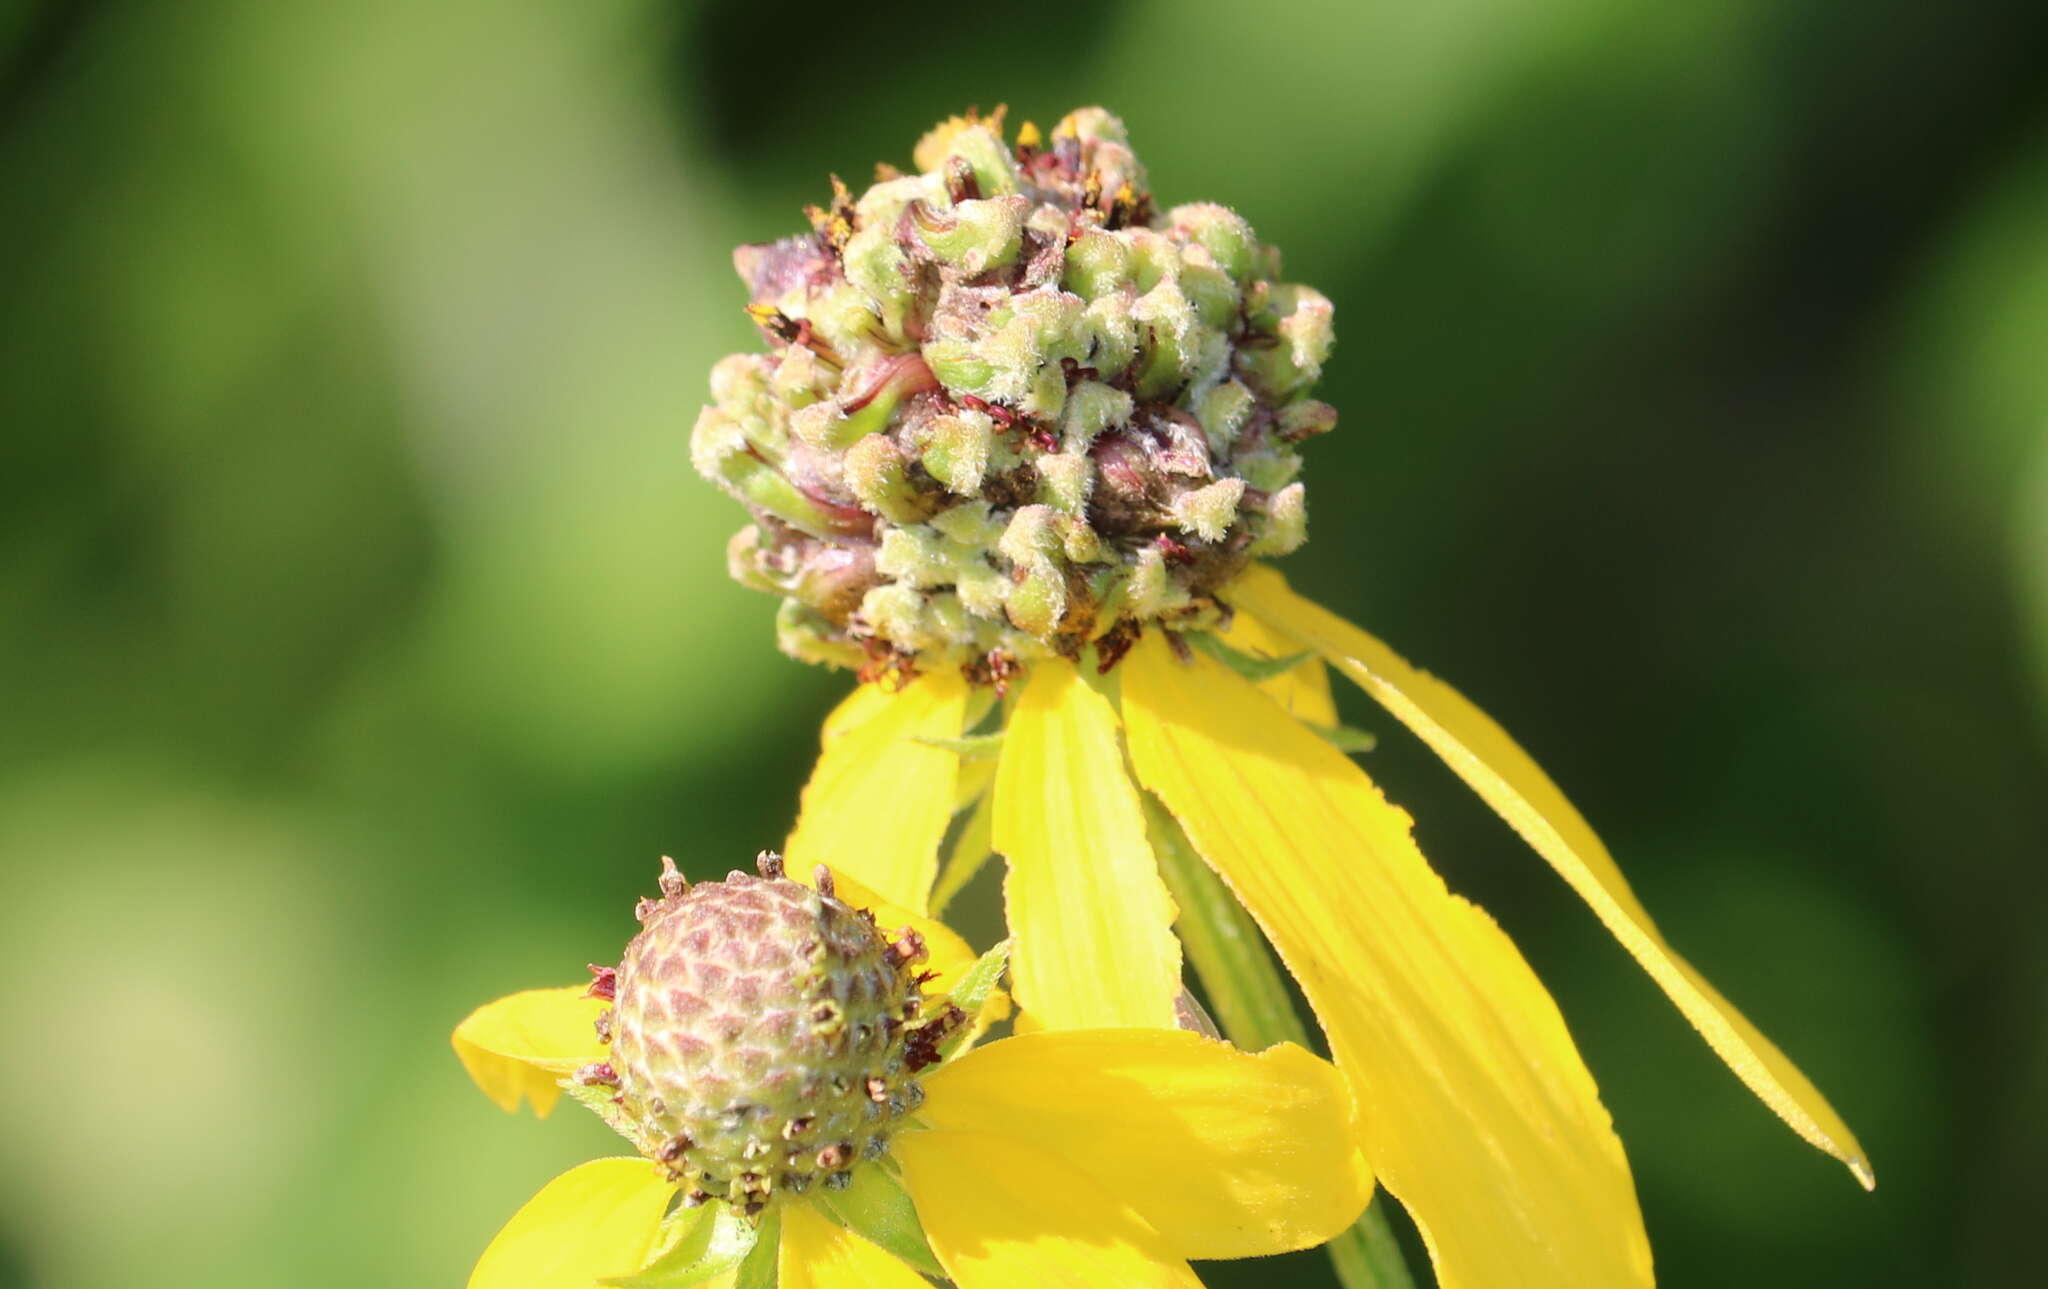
{"x": 1021, "y": 429}
{"x": 1107, "y": 1157}
{"x": 1474, "y": 1107}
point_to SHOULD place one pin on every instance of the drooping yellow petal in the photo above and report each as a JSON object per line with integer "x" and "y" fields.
{"x": 1002, "y": 1214}
{"x": 1487, "y": 759}
{"x": 598, "y": 1219}
{"x": 521, "y": 1045}
{"x": 1474, "y": 1107}
{"x": 819, "y": 1254}
{"x": 1304, "y": 690}
{"x": 879, "y": 800}
{"x": 1225, "y": 1154}
{"x": 1090, "y": 917}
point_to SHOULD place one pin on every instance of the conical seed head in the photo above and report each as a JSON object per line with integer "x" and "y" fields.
{"x": 758, "y": 1036}
{"x": 1017, "y": 328}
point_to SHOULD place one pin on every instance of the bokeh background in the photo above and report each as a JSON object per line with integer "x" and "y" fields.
{"x": 364, "y": 636}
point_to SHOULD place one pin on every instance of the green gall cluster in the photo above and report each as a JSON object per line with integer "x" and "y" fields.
{"x": 1011, "y": 410}
{"x": 764, "y": 1035}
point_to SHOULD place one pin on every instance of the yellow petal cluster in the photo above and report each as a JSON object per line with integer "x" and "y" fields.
{"x": 1070, "y": 1158}
{"x": 1473, "y": 1104}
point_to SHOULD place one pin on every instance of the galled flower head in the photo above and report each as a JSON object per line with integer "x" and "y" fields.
{"x": 805, "y": 1112}
{"x": 1010, "y": 409}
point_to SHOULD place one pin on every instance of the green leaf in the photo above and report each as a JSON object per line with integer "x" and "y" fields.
{"x": 972, "y": 747}
{"x": 973, "y": 848}
{"x": 1256, "y": 670}
{"x": 971, "y": 992}
{"x": 759, "y": 1270}
{"x": 1346, "y": 739}
{"x": 701, "y": 1243}
{"x": 876, "y": 1208}
{"x": 598, "y": 1099}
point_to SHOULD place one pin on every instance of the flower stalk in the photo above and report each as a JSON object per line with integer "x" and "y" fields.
{"x": 1255, "y": 1010}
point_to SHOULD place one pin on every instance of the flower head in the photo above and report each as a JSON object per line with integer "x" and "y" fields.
{"x": 1084, "y": 452}
{"x": 1010, "y": 410}
{"x": 796, "y": 1099}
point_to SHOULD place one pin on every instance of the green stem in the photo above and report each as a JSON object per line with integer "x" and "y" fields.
{"x": 1253, "y": 1006}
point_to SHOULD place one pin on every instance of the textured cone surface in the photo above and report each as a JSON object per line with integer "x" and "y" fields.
{"x": 757, "y": 1037}
{"x": 1010, "y": 409}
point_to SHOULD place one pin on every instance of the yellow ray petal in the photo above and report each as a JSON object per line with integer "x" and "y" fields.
{"x": 1003, "y": 1214}
{"x": 598, "y": 1219}
{"x": 1505, "y": 776}
{"x": 522, "y": 1044}
{"x": 817, "y": 1254}
{"x": 1474, "y": 1106}
{"x": 1303, "y": 690}
{"x": 1091, "y": 920}
{"x": 1225, "y": 1154}
{"x": 878, "y": 802}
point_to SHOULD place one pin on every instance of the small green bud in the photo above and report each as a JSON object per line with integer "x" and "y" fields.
{"x": 879, "y": 475}
{"x": 1092, "y": 407}
{"x": 1170, "y": 340}
{"x": 974, "y": 236}
{"x": 823, "y": 427}
{"x": 972, "y": 523}
{"x": 1064, "y": 481}
{"x": 959, "y": 368}
{"x": 1286, "y": 523}
{"x": 1098, "y": 264}
{"x": 1299, "y": 318}
{"x": 1079, "y": 541}
{"x": 1223, "y": 411}
{"x": 1212, "y": 293}
{"x": 981, "y": 588}
{"x": 1222, "y": 232}
{"x": 876, "y": 264}
{"x": 800, "y": 379}
{"x": 1111, "y": 333}
{"x": 1038, "y": 602}
{"x": 895, "y": 612}
{"x": 955, "y": 449}
{"x": 1305, "y": 419}
{"x": 807, "y": 635}
{"x": 1208, "y": 512}
{"x": 981, "y": 147}
{"x": 1151, "y": 593}
{"x": 915, "y": 555}
{"x": 1031, "y": 536}
{"x": 1268, "y": 470}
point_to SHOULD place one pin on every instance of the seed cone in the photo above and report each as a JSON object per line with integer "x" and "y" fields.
{"x": 764, "y": 1035}
{"x": 1011, "y": 410}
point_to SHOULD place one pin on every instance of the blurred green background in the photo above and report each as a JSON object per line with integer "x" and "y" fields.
{"x": 364, "y": 635}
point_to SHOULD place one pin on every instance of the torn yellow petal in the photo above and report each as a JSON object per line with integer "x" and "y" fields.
{"x": 1474, "y": 1106}
{"x": 879, "y": 801}
{"x": 1089, "y": 915}
{"x": 1225, "y": 1154}
{"x": 1487, "y": 759}
{"x": 521, "y": 1045}
{"x": 1303, "y": 690}
{"x": 819, "y": 1254}
{"x": 1003, "y": 1214}
{"x": 598, "y": 1219}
